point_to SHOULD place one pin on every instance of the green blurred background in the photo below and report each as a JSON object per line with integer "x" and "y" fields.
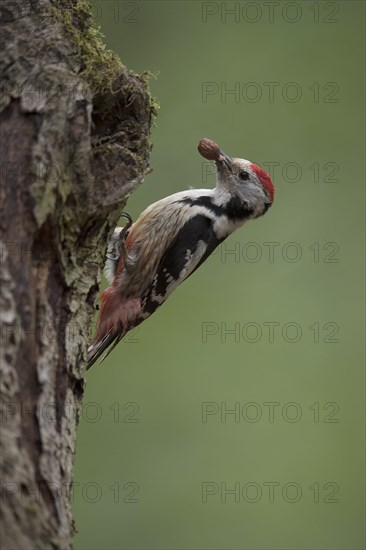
{"x": 158, "y": 451}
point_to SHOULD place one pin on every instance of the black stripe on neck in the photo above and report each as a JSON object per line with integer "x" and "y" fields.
{"x": 235, "y": 209}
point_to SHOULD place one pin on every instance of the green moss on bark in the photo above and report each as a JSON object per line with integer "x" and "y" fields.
{"x": 100, "y": 67}
{"x": 94, "y": 62}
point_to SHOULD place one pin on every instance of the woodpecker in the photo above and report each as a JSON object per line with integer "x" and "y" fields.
{"x": 147, "y": 260}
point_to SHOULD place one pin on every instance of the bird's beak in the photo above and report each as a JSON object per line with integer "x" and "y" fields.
{"x": 224, "y": 160}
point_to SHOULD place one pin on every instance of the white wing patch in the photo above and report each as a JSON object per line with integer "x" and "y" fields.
{"x": 192, "y": 260}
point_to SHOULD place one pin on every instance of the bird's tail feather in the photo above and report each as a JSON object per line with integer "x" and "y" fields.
{"x": 96, "y": 349}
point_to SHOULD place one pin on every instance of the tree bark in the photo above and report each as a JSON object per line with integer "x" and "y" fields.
{"x": 74, "y": 143}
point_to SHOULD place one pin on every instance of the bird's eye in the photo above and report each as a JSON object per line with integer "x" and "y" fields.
{"x": 243, "y": 175}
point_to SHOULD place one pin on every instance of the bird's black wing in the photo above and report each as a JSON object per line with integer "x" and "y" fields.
{"x": 193, "y": 244}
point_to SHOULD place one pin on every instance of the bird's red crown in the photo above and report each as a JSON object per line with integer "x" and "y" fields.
{"x": 265, "y": 180}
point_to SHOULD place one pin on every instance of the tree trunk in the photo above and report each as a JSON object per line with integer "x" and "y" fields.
{"x": 74, "y": 143}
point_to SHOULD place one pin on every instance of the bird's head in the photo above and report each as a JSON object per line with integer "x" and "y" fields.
{"x": 240, "y": 178}
{"x": 244, "y": 178}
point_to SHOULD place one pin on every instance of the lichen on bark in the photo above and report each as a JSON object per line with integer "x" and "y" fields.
{"x": 74, "y": 143}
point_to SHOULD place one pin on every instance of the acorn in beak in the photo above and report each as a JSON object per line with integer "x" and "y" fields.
{"x": 209, "y": 150}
